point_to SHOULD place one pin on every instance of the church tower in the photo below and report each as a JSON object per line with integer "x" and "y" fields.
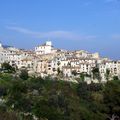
{"x": 1, "y": 47}
{"x": 0, "y": 44}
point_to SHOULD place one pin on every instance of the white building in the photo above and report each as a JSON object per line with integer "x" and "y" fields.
{"x": 47, "y": 60}
{"x": 44, "y": 49}
{"x": 112, "y": 66}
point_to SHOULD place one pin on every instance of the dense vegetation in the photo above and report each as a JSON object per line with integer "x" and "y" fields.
{"x": 28, "y": 98}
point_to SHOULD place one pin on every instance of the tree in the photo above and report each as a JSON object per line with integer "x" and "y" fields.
{"x": 24, "y": 74}
{"x": 45, "y": 99}
{"x": 95, "y": 87}
{"x": 82, "y": 90}
{"x": 4, "y": 115}
{"x": 69, "y": 64}
{"x": 82, "y": 76}
{"x": 74, "y": 72}
{"x": 96, "y": 73}
{"x": 112, "y": 98}
{"x": 7, "y": 67}
{"x": 58, "y": 63}
{"x": 58, "y": 71}
{"x": 115, "y": 78}
{"x": 107, "y": 75}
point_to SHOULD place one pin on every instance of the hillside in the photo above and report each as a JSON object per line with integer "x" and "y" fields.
{"x": 45, "y": 99}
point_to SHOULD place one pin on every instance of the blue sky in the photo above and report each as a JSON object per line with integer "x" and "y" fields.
{"x": 92, "y": 25}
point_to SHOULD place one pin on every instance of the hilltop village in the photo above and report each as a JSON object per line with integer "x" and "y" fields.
{"x": 45, "y": 60}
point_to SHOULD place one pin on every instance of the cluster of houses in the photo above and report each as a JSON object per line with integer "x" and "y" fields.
{"x": 46, "y": 60}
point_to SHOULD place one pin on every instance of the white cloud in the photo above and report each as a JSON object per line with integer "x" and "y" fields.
{"x": 52, "y": 34}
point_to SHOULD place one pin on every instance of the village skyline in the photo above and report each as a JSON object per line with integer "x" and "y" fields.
{"x": 81, "y": 24}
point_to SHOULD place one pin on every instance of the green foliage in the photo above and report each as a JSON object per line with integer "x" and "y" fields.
{"x": 74, "y": 72}
{"x": 24, "y": 74}
{"x": 48, "y": 99}
{"x": 107, "y": 75}
{"x": 58, "y": 63}
{"x": 58, "y": 71}
{"x": 115, "y": 78}
{"x": 8, "y": 115}
{"x": 112, "y": 97}
{"x": 82, "y": 76}
{"x": 96, "y": 73}
{"x": 82, "y": 90}
{"x": 7, "y": 68}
